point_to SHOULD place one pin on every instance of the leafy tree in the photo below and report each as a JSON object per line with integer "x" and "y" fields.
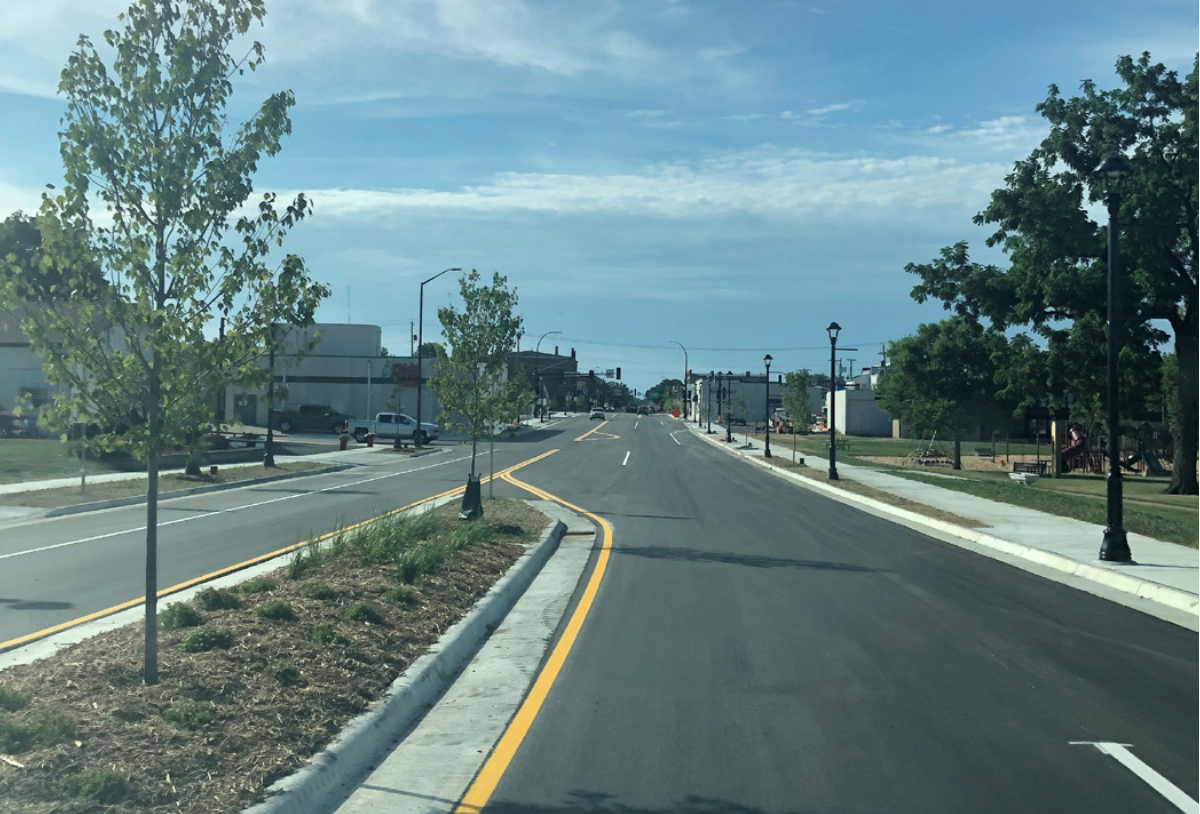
{"x": 148, "y": 137}
{"x": 474, "y": 392}
{"x": 1058, "y": 253}
{"x": 432, "y": 350}
{"x": 40, "y": 278}
{"x": 942, "y": 379}
{"x": 796, "y": 400}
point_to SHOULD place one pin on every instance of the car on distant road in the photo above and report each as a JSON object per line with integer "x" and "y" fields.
{"x": 643, "y": 411}
{"x": 597, "y": 412}
{"x": 12, "y": 424}
{"x": 391, "y": 425}
{"x": 318, "y": 417}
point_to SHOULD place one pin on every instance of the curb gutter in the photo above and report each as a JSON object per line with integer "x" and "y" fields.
{"x": 367, "y": 739}
{"x": 79, "y": 508}
{"x": 1143, "y": 588}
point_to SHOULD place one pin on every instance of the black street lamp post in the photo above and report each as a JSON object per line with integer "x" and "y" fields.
{"x": 418, "y": 435}
{"x": 685, "y": 378}
{"x": 767, "y": 409}
{"x": 712, "y": 377}
{"x": 537, "y": 374}
{"x": 1112, "y": 174}
{"x": 720, "y": 393}
{"x": 269, "y": 446}
{"x": 833, "y": 331}
{"x": 729, "y": 406}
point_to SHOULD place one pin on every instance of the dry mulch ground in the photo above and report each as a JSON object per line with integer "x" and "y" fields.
{"x": 258, "y": 709}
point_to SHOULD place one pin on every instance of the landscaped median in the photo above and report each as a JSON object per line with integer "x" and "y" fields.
{"x": 253, "y": 680}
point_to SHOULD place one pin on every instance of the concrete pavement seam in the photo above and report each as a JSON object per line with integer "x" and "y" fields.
{"x": 1145, "y": 589}
{"x": 364, "y": 741}
{"x": 95, "y": 506}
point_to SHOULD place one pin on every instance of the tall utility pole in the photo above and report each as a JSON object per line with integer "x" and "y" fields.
{"x": 411, "y": 337}
{"x": 685, "y": 377}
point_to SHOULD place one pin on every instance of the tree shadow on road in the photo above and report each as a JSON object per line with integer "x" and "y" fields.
{"x": 583, "y": 802}
{"x": 750, "y": 560}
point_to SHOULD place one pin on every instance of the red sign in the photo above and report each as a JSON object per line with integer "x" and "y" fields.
{"x": 406, "y": 375}
{"x": 675, "y": 412}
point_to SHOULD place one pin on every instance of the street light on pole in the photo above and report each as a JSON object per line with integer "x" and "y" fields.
{"x": 537, "y": 371}
{"x": 833, "y": 330}
{"x": 712, "y": 377}
{"x": 418, "y": 435}
{"x": 1113, "y": 173}
{"x": 767, "y": 408}
{"x": 685, "y": 378}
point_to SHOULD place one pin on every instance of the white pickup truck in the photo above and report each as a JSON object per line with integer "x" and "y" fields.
{"x": 390, "y": 425}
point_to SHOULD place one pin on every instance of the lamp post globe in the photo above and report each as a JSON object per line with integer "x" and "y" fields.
{"x": 767, "y": 408}
{"x": 1112, "y": 174}
{"x": 833, "y": 330}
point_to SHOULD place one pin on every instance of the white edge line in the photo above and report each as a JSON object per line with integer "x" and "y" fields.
{"x": 1156, "y": 781}
{"x": 231, "y": 510}
{"x": 673, "y": 438}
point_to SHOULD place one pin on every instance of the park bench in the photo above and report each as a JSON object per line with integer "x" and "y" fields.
{"x": 1031, "y": 467}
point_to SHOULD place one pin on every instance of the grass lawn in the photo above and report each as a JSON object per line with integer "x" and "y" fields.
{"x": 857, "y": 448}
{"x": 40, "y": 459}
{"x": 1147, "y": 510}
{"x": 70, "y": 496}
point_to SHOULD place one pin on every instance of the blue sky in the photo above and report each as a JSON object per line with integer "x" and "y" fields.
{"x": 730, "y": 175}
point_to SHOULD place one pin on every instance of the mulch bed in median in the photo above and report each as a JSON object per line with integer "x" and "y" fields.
{"x": 223, "y": 725}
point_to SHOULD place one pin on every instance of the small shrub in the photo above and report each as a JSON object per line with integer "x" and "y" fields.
{"x": 190, "y": 715}
{"x": 214, "y": 599}
{"x": 364, "y": 612}
{"x": 403, "y": 594}
{"x": 277, "y": 610}
{"x": 322, "y": 633}
{"x": 317, "y": 590}
{"x": 286, "y": 674}
{"x": 258, "y": 585}
{"x": 11, "y": 700}
{"x": 203, "y": 639}
{"x": 306, "y": 560}
{"x": 38, "y": 730}
{"x": 179, "y": 615}
{"x": 101, "y": 786}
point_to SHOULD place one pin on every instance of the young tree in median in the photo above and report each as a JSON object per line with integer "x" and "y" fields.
{"x": 147, "y": 138}
{"x": 1058, "y": 252}
{"x": 796, "y": 401}
{"x": 475, "y": 395}
{"x": 942, "y": 379}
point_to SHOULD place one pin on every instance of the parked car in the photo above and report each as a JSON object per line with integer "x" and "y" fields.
{"x": 317, "y": 417}
{"x": 391, "y": 425}
{"x": 12, "y": 425}
{"x": 643, "y": 411}
{"x": 597, "y": 412}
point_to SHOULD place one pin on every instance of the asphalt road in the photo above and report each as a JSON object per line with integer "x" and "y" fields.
{"x": 757, "y": 648}
{"x": 53, "y": 571}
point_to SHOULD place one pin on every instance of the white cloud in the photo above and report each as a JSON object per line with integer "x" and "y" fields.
{"x": 834, "y": 108}
{"x": 658, "y": 119}
{"x": 766, "y": 183}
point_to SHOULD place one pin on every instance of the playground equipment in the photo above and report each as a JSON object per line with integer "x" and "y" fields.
{"x": 927, "y": 455}
{"x": 1074, "y": 452}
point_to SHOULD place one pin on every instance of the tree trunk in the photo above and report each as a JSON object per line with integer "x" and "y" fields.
{"x": 150, "y": 670}
{"x": 957, "y": 453}
{"x": 1187, "y": 411}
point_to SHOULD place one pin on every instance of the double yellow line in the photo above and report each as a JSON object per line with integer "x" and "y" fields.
{"x": 497, "y": 763}
{"x": 132, "y": 603}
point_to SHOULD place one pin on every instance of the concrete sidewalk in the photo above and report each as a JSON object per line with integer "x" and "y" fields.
{"x": 1033, "y": 535}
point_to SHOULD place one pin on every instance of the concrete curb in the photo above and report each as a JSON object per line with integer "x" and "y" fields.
{"x": 197, "y": 490}
{"x": 1143, "y": 588}
{"x": 364, "y": 741}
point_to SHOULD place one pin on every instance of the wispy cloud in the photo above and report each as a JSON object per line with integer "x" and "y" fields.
{"x": 827, "y": 109}
{"x": 768, "y": 183}
{"x": 657, "y": 119}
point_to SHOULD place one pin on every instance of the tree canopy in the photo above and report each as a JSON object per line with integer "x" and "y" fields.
{"x": 146, "y": 140}
{"x": 1055, "y": 283}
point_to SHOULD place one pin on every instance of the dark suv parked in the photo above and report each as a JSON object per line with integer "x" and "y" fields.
{"x": 317, "y": 417}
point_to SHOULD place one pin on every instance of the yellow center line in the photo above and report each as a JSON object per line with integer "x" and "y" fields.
{"x": 50, "y": 631}
{"x": 498, "y": 761}
{"x": 592, "y": 430}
